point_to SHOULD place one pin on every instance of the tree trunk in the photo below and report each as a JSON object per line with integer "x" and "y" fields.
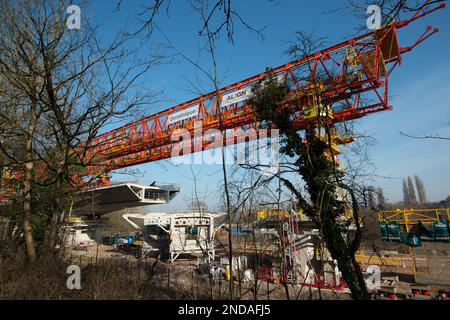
{"x": 29, "y": 167}
{"x": 346, "y": 262}
{"x": 52, "y": 222}
{"x": 27, "y": 229}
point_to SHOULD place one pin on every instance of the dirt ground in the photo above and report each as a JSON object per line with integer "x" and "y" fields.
{"x": 183, "y": 277}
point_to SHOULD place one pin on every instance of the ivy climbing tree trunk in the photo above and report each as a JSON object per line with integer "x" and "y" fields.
{"x": 322, "y": 178}
{"x": 322, "y": 181}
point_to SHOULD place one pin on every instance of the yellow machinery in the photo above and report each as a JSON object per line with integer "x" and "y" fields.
{"x": 334, "y": 140}
{"x": 353, "y": 62}
{"x": 317, "y": 111}
{"x": 362, "y": 258}
{"x": 273, "y": 213}
{"x": 277, "y": 214}
{"x": 314, "y": 105}
{"x": 75, "y": 220}
{"x": 410, "y": 217}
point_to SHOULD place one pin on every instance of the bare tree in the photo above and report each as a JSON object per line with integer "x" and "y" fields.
{"x": 220, "y": 16}
{"x": 381, "y": 201}
{"x": 430, "y": 136}
{"x": 71, "y": 84}
{"x": 391, "y": 10}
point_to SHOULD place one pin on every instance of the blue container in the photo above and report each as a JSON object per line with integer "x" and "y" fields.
{"x": 383, "y": 230}
{"x": 440, "y": 231}
{"x": 425, "y": 232}
{"x": 411, "y": 239}
{"x": 415, "y": 240}
{"x": 393, "y": 230}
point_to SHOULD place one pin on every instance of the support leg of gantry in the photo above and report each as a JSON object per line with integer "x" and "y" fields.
{"x": 173, "y": 256}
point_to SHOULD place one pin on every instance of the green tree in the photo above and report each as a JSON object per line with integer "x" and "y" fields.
{"x": 381, "y": 199}
{"x": 411, "y": 192}
{"x": 421, "y": 192}
{"x": 405, "y": 192}
{"x": 371, "y": 197}
{"x": 323, "y": 180}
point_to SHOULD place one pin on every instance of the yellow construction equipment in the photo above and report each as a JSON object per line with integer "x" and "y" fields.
{"x": 409, "y": 217}
{"x": 273, "y": 213}
{"x": 362, "y": 258}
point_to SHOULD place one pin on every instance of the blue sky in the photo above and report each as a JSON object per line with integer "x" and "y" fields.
{"x": 420, "y": 88}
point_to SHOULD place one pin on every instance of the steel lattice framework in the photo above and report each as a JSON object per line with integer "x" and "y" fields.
{"x": 354, "y": 81}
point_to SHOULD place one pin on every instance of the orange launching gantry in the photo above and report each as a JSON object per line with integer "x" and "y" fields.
{"x": 354, "y": 78}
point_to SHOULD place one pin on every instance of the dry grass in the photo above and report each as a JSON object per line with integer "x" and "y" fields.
{"x": 46, "y": 279}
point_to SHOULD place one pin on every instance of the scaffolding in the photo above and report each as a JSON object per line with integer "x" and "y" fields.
{"x": 411, "y": 217}
{"x": 412, "y": 226}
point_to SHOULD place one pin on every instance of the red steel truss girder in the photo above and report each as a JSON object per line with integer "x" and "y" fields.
{"x": 155, "y": 132}
{"x": 165, "y": 151}
{"x": 149, "y": 139}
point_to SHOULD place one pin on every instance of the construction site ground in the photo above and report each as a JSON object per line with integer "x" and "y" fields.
{"x": 183, "y": 277}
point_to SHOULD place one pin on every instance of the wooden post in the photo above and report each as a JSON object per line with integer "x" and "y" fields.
{"x": 139, "y": 270}
{"x": 168, "y": 278}
{"x": 220, "y": 287}
{"x": 131, "y": 269}
{"x": 413, "y": 262}
{"x": 192, "y": 281}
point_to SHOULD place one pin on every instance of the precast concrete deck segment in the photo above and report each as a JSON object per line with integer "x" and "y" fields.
{"x": 100, "y": 201}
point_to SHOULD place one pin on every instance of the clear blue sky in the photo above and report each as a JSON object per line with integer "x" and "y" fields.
{"x": 420, "y": 88}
